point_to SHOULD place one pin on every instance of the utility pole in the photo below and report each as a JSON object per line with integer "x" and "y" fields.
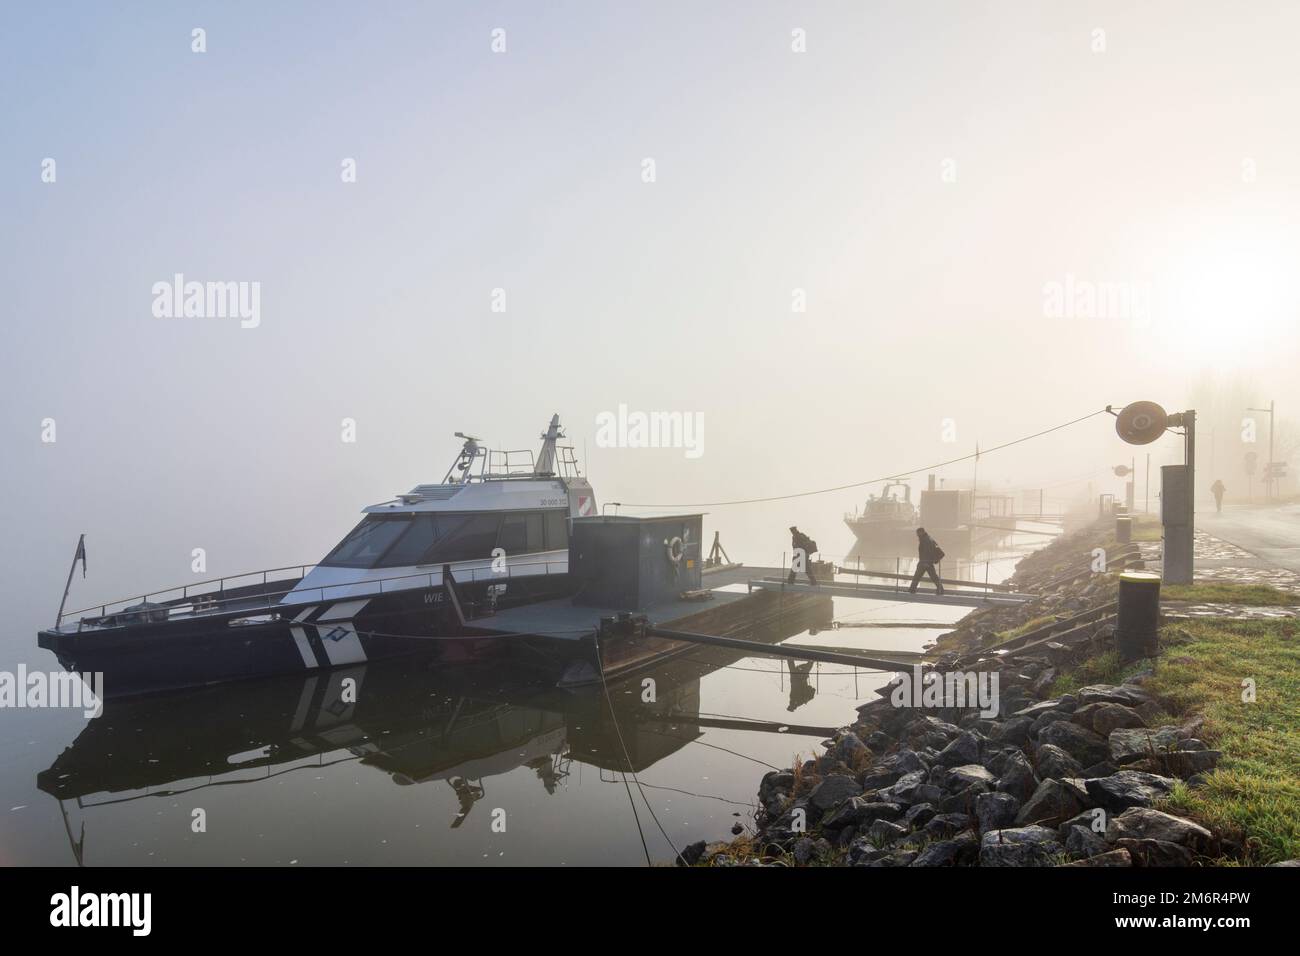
{"x": 1268, "y": 468}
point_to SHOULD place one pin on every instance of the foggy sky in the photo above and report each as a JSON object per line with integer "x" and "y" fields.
{"x": 1169, "y": 162}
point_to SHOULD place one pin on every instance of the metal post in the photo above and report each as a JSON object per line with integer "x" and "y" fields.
{"x": 1268, "y": 467}
{"x": 1178, "y": 515}
{"x": 1146, "y": 504}
{"x": 1272, "y": 478}
{"x": 1189, "y": 426}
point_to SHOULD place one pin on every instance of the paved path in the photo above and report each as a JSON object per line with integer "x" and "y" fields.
{"x": 1273, "y": 534}
{"x": 1244, "y": 546}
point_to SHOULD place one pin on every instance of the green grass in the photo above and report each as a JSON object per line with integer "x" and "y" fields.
{"x": 1147, "y": 531}
{"x": 1254, "y": 795}
{"x": 1102, "y": 669}
{"x": 1024, "y": 628}
{"x": 1224, "y": 592}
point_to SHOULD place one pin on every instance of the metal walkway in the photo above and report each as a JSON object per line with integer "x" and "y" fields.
{"x": 880, "y": 592}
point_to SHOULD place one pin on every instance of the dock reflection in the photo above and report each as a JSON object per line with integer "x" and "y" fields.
{"x": 415, "y": 719}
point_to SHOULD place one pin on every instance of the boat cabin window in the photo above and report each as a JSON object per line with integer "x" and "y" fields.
{"x": 367, "y": 543}
{"x": 403, "y": 540}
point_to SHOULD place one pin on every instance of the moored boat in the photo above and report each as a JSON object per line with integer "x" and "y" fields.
{"x": 494, "y": 533}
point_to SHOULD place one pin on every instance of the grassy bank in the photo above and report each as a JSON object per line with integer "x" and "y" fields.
{"x": 1264, "y": 595}
{"x": 1254, "y": 795}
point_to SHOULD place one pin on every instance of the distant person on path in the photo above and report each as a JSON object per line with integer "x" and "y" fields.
{"x": 1218, "y": 489}
{"x": 928, "y": 554}
{"x": 801, "y": 543}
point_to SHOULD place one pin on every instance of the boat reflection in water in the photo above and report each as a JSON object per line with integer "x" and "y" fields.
{"x": 413, "y": 719}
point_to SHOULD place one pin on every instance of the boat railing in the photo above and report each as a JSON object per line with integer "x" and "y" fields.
{"x": 253, "y": 598}
{"x": 431, "y": 578}
{"x": 181, "y": 592}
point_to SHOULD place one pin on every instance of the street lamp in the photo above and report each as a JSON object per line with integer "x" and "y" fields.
{"x": 1269, "y": 467}
{"x": 1140, "y": 423}
{"x": 1130, "y": 492}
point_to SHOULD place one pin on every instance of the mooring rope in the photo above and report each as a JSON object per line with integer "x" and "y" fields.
{"x": 600, "y": 668}
{"x": 869, "y": 481}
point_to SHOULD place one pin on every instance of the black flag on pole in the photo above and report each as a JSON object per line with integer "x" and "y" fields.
{"x": 79, "y": 556}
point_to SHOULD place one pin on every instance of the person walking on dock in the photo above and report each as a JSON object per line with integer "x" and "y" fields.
{"x": 1218, "y": 488}
{"x": 804, "y": 548}
{"x": 928, "y": 554}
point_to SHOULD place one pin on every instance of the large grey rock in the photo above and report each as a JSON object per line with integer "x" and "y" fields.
{"x": 1020, "y": 846}
{"x": 877, "y": 778}
{"x": 960, "y": 850}
{"x": 879, "y": 741}
{"x": 961, "y": 777}
{"x": 905, "y": 784}
{"x": 1187, "y": 763}
{"x": 928, "y": 793}
{"x": 1126, "y": 694}
{"x": 862, "y": 851}
{"x": 1013, "y": 732}
{"x": 1044, "y": 719}
{"x": 995, "y": 811}
{"x": 1053, "y": 762}
{"x": 1143, "y": 823}
{"x": 963, "y": 801}
{"x": 1056, "y": 704}
{"x": 691, "y": 853}
{"x": 1081, "y": 744}
{"x": 1156, "y": 852}
{"x": 1130, "y": 744}
{"x": 1094, "y": 819}
{"x": 1018, "y": 778}
{"x": 884, "y": 832}
{"x": 856, "y": 811}
{"x": 1111, "y": 717}
{"x": 904, "y": 761}
{"x": 1102, "y": 718}
{"x": 964, "y": 749}
{"x": 930, "y": 732}
{"x": 1051, "y": 804}
{"x": 919, "y": 814}
{"x": 833, "y": 791}
{"x": 997, "y": 761}
{"x": 948, "y": 825}
{"x": 806, "y": 850}
{"x": 1081, "y": 841}
{"x": 1128, "y": 788}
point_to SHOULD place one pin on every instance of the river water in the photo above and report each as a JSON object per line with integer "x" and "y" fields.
{"x": 431, "y": 765}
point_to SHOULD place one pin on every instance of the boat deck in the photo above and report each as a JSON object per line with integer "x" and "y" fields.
{"x": 562, "y": 619}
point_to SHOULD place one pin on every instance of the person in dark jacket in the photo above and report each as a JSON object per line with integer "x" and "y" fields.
{"x": 801, "y": 543}
{"x": 1217, "y": 489}
{"x": 928, "y": 554}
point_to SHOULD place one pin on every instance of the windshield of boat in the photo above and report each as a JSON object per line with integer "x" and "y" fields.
{"x": 404, "y": 540}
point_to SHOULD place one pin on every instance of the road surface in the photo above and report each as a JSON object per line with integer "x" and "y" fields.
{"x": 1271, "y": 533}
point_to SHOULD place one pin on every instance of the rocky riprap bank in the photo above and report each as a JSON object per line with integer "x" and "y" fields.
{"x": 1049, "y": 780}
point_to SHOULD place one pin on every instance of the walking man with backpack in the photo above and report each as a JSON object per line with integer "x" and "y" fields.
{"x": 804, "y": 548}
{"x": 928, "y": 554}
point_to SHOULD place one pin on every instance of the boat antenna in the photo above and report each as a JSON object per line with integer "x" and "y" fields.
{"x": 468, "y": 452}
{"x": 546, "y": 457}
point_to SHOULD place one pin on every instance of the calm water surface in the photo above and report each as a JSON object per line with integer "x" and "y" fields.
{"x": 430, "y": 765}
